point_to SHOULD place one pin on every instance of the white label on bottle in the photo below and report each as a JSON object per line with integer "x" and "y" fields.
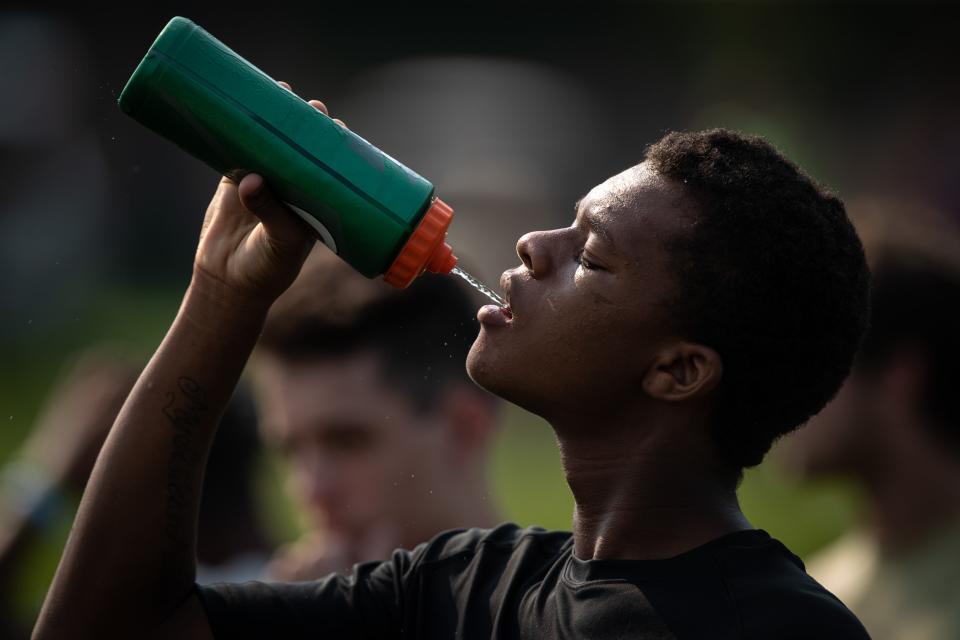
{"x": 325, "y": 236}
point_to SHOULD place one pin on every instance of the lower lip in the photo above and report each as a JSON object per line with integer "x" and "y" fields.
{"x": 493, "y": 316}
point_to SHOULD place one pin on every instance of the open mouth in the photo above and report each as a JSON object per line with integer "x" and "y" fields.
{"x": 495, "y": 316}
{"x": 498, "y": 315}
{"x": 505, "y": 286}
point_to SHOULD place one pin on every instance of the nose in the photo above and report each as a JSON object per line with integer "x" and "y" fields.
{"x": 318, "y": 479}
{"x": 532, "y": 250}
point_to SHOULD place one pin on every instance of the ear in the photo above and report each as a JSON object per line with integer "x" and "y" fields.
{"x": 683, "y": 371}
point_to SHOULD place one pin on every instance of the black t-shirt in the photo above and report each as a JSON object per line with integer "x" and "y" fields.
{"x": 525, "y": 583}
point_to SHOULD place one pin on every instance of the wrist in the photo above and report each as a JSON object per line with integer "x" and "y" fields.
{"x": 215, "y": 307}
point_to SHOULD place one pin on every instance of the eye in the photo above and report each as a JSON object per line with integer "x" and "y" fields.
{"x": 583, "y": 262}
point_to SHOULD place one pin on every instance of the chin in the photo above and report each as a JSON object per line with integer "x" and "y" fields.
{"x": 507, "y": 377}
{"x": 483, "y": 366}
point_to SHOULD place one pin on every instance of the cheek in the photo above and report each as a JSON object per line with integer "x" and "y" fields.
{"x": 570, "y": 335}
{"x": 391, "y": 483}
{"x": 596, "y": 337}
{"x": 383, "y": 469}
{"x": 364, "y": 484}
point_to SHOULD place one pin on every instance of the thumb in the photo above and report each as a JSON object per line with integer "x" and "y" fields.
{"x": 281, "y": 224}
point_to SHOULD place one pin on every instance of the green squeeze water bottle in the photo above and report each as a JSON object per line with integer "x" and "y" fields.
{"x": 375, "y": 213}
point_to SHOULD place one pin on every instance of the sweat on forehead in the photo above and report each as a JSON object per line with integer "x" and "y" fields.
{"x": 638, "y": 195}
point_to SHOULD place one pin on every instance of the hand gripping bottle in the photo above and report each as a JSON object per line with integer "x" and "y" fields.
{"x": 375, "y": 213}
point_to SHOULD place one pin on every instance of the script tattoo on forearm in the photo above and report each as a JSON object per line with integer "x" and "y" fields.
{"x": 185, "y": 408}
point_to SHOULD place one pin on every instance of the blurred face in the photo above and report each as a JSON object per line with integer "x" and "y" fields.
{"x": 360, "y": 456}
{"x": 845, "y": 437}
{"x": 586, "y": 312}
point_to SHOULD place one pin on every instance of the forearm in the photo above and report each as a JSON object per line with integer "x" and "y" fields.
{"x": 130, "y": 558}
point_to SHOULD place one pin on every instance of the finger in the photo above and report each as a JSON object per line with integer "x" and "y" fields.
{"x": 280, "y": 223}
{"x": 226, "y": 189}
{"x": 341, "y": 123}
{"x": 319, "y": 106}
{"x": 285, "y": 85}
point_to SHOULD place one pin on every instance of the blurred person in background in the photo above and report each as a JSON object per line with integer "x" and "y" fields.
{"x": 362, "y": 389}
{"x": 49, "y": 472}
{"x": 894, "y": 430}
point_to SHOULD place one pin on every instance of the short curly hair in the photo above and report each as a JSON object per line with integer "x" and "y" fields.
{"x": 773, "y": 277}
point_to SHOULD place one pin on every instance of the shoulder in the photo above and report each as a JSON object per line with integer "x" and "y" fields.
{"x": 806, "y": 611}
{"x": 776, "y": 598}
{"x": 506, "y": 538}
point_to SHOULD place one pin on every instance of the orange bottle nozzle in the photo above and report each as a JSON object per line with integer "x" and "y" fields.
{"x": 426, "y": 249}
{"x": 442, "y": 259}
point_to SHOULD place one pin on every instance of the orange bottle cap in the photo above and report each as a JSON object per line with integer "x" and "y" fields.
{"x": 426, "y": 249}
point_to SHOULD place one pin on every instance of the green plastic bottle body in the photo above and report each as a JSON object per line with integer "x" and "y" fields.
{"x": 195, "y": 91}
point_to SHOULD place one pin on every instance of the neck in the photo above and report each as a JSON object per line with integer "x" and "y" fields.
{"x": 645, "y": 492}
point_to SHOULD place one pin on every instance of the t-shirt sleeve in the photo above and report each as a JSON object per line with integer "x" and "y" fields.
{"x": 367, "y": 604}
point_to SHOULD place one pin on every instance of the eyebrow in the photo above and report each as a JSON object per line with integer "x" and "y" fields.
{"x": 595, "y": 225}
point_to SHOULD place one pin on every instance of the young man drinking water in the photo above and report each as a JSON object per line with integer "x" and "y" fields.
{"x": 702, "y": 304}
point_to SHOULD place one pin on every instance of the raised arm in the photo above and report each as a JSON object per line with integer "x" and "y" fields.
{"x": 129, "y": 564}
